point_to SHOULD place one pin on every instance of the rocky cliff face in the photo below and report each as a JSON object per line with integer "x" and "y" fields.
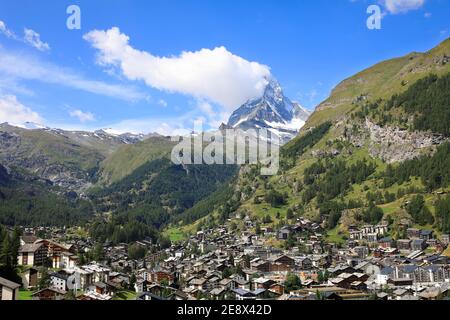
{"x": 390, "y": 144}
{"x": 51, "y": 156}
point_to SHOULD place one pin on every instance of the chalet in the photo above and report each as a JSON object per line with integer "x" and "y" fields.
{"x": 358, "y": 285}
{"x": 218, "y": 293}
{"x": 418, "y": 244}
{"x": 54, "y": 248}
{"x": 346, "y": 280}
{"x": 372, "y": 237}
{"x": 64, "y": 259}
{"x": 159, "y": 275}
{"x": 32, "y": 255}
{"x": 141, "y": 285}
{"x": 304, "y": 263}
{"x": 29, "y": 277}
{"x": 147, "y": 296}
{"x": 401, "y": 282}
{"x": 263, "y": 283}
{"x": 386, "y": 242}
{"x": 404, "y": 244}
{"x": 283, "y": 233}
{"x": 100, "y": 288}
{"x": 445, "y": 238}
{"x": 381, "y": 229}
{"x": 180, "y": 295}
{"x": 241, "y": 294}
{"x": 340, "y": 269}
{"x": 198, "y": 283}
{"x": 279, "y": 267}
{"x": 361, "y": 251}
{"x": 240, "y": 282}
{"x": 368, "y": 268}
{"x": 277, "y": 288}
{"x": 49, "y": 294}
{"x": 426, "y": 235}
{"x": 9, "y": 290}
{"x": 28, "y": 239}
{"x": 284, "y": 260}
{"x": 261, "y": 266}
{"x": 356, "y": 235}
{"x": 413, "y": 233}
{"x": 59, "y": 280}
{"x": 227, "y": 284}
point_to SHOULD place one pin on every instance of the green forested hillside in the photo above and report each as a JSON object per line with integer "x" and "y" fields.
{"x": 382, "y": 80}
{"x": 132, "y": 156}
{"x": 370, "y": 153}
{"x": 27, "y": 200}
{"x": 157, "y": 193}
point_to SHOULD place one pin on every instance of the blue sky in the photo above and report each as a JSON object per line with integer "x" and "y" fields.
{"x": 125, "y": 68}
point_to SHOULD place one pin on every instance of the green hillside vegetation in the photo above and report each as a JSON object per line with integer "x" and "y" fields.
{"x": 325, "y": 178}
{"x": 156, "y": 194}
{"x": 32, "y": 202}
{"x": 382, "y": 80}
{"x": 54, "y": 148}
{"x": 130, "y": 157}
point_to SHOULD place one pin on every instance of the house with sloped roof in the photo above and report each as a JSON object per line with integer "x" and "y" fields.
{"x": 9, "y": 290}
{"x": 32, "y": 254}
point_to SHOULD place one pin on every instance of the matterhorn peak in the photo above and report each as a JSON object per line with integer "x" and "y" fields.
{"x": 272, "y": 111}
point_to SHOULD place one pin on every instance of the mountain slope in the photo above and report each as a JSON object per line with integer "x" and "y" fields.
{"x": 382, "y": 81}
{"x": 29, "y": 200}
{"x": 362, "y": 157}
{"x": 128, "y": 158}
{"x": 69, "y": 159}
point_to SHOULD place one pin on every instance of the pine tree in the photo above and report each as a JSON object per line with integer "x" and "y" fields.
{"x": 44, "y": 281}
{"x": 6, "y": 252}
{"x": 15, "y": 245}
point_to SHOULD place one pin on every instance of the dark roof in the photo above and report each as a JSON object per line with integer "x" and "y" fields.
{"x": 243, "y": 293}
{"x": 30, "y": 247}
{"x": 9, "y": 284}
{"x": 61, "y": 292}
{"x": 29, "y": 238}
{"x": 151, "y": 295}
{"x": 100, "y": 285}
{"x": 59, "y": 275}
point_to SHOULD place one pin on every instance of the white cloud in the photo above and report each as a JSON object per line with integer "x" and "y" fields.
{"x": 19, "y": 66}
{"x": 34, "y": 39}
{"x": 402, "y": 6}
{"x": 82, "y": 116}
{"x": 216, "y": 75}
{"x": 30, "y": 37}
{"x": 4, "y": 29}
{"x": 15, "y": 113}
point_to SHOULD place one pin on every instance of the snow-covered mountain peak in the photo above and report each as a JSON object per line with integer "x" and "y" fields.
{"x": 273, "y": 111}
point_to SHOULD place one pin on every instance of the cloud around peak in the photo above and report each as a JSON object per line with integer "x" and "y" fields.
{"x": 402, "y": 6}
{"x": 213, "y": 74}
